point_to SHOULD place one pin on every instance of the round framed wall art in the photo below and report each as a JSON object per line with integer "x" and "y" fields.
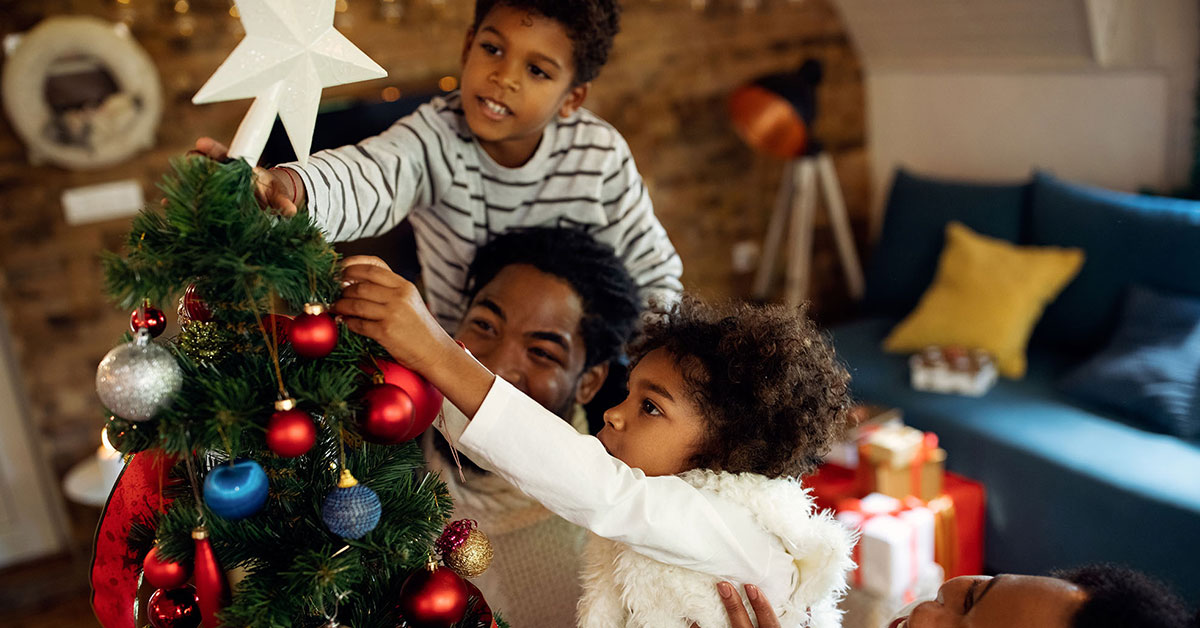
{"x": 81, "y": 93}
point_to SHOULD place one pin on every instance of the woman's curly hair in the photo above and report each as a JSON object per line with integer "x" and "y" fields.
{"x": 591, "y": 25}
{"x": 764, "y": 378}
{"x": 1119, "y": 597}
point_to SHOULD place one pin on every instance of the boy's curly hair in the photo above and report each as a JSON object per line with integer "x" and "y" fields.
{"x": 591, "y": 25}
{"x": 765, "y": 379}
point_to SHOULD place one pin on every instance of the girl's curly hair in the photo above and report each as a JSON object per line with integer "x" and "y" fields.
{"x": 764, "y": 378}
{"x": 591, "y": 25}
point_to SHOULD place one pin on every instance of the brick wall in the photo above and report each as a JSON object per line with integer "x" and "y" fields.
{"x": 674, "y": 64}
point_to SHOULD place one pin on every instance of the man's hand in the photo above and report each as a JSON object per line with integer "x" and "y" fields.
{"x": 738, "y": 617}
{"x": 277, "y": 188}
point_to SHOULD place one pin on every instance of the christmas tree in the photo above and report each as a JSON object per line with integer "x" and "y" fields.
{"x": 270, "y": 454}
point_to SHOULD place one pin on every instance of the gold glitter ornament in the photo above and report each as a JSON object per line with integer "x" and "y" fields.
{"x": 203, "y": 340}
{"x": 472, "y": 557}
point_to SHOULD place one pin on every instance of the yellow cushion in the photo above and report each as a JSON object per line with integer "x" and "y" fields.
{"x": 988, "y": 294}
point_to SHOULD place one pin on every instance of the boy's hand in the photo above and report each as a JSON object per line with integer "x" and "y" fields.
{"x": 385, "y": 307}
{"x": 368, "y": 260}
{"x": 274, "y": 189}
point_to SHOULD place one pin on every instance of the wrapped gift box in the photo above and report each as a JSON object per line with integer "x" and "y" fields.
{"x": 958, "y": 532}
{"x": 901, "y": 461}
{"x": 864, "y": 609}
{"x": 867, "y": 420}
{"x": 953, "y": 370}
{"x": 895, "y": 446}
{"x": 896, "y": 544}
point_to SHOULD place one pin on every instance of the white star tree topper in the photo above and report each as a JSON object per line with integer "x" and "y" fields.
{"x": 290, "y": 53}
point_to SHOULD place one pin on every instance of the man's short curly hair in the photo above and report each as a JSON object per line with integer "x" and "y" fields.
{"x": 764, "y": 378}
{"x": 591, "y": 25}
{"x": 610, "y": 298}
{"x": 1119, "y": 597}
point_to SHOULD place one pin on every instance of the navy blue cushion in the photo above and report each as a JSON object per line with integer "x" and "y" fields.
{"x": 914, "y": 232}
{"x": 1151, "y": 368}
{"x": 1127, "y": 239}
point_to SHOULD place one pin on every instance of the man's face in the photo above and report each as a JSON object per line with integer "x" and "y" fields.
{"x": 524, "y": 326}
{"x": 518, "y": 73}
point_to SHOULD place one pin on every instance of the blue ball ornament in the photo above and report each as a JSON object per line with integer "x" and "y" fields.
{"x": 351, "y": 510}
{"x": 236, "y": 491}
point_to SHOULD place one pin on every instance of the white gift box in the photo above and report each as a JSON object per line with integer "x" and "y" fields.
{"x": 895, "y": 547}
{"x": 864, "y": 609}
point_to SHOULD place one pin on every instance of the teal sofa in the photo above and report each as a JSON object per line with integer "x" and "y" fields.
{"x": 1068, "y": 482}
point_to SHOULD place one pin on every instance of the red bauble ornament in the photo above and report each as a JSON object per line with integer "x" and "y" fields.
{"x": 314, "y": 333}
{"x": 479, "y": 610}
{"x": 165, "y": 574}
{"x": 280, "y": 324}
{"x": 388, "y": 418}
{"x": 193, "y": 306}
{"x": 212, "y": 590}
{"x": 151, "y": 318}
{"x": 433, "y": 599}
{"x": 173, "y": 608}
{"x": 290, "y": 432}
{"x": 427, "y": 400}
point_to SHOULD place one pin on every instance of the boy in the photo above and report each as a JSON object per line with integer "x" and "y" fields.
{"x": 512, "y": 148}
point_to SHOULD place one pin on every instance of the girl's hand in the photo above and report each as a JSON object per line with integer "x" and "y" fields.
{"x": 277, "y": 188}
{"x": 385, "y": 307}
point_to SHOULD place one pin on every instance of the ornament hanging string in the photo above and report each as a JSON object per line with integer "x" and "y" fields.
{"x": 341, "y": 450}
{"x": 441, "y": 422}
{"x": 312, "y": 272}
{"x": 312, "y": 284}
{"x": 331, "y": 620}
{"x": 226, "y": 442}
{"x": 161, "y": 482}
{"x": 272, "y": 349}
{"x": 191, "y": 469}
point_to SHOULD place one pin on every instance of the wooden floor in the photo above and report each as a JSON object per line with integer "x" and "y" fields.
{"x": 53, "y": 592}
{"x": 47, "y": 593}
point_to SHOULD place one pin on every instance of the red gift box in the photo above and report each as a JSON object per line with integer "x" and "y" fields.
{"x": 831, "y": 484}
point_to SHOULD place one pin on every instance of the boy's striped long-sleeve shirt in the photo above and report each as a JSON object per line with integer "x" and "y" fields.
{"x": 429, "y": 168}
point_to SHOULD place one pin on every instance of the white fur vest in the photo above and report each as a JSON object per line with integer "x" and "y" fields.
{"x": 625, "y": 589}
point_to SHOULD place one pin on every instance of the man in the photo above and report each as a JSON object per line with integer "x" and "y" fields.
{"x": 548, "y": 309}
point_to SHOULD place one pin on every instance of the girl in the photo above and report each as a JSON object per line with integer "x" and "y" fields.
{"x": 691, "y": 481}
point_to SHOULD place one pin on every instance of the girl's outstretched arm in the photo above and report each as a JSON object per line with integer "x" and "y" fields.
{"x": 387, "y": 308}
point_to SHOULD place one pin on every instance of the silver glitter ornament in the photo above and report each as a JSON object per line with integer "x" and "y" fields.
{"x": 138, "y": 379}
